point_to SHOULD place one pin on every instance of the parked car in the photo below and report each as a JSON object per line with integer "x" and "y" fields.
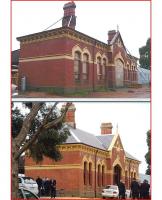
{"x": 110, "y": 191}
{"x": 26, "y": 194}
{"x": 29, "y": 184}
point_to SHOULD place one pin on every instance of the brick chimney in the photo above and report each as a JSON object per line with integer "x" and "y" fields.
{"x": 70, "y": 116}
{"x": 106, "y": 128}
{"x": 69, "y": 18}
{"x": 111, "y": 34}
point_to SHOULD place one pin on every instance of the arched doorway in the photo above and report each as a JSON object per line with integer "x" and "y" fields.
{"x": 119, "y": 73}
{"x": 116, "y": 174}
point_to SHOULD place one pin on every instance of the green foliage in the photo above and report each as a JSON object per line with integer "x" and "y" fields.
{"x": 46, "y": 145}
{"x": 148, "y": 154}
{"x": 47, "y": 141}
{"x": 145, "y": 55}
{"x": 17, "y": 120}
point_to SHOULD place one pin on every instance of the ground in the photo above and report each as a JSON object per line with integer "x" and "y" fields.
{"x": 142, "y": 92}
{"x": 78, "y": 198}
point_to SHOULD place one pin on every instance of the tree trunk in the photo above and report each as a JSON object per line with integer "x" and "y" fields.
{"x": 14, "y": 172}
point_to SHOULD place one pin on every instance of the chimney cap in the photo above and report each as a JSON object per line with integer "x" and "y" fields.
{"x": 72, "y": 107}
{"x": 106, "y": 125}
{"x": 111, "y": 31}
{"x": 69, "y": 5}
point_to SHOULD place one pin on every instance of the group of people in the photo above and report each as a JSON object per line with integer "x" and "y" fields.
{"x": 46, "y": 187}
{"x": 138, "y": 191}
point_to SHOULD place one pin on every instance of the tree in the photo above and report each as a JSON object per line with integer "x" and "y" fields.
{"x": 145, "y": 56}
{"x": 148, "y": 154}
{"x": 38, "y": 132}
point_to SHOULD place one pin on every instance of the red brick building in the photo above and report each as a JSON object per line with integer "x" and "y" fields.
{"x": 89, "y": 162}
{"x": 64, "y": 60}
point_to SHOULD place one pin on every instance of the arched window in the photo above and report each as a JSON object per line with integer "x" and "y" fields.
{"x": 104, "y": 68}
{"x": 85, "y": 67}
{"x": 99, "y": 68}
{"x": 103, "y": 175}
{"x": 135, "y": 175}
{"x": 77, "y": 65}
{"x": 85, "y": 173}
{"x": 90, "y": 173}
{"x": 99, "y": 175}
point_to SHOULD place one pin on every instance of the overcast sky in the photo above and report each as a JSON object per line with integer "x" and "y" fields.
{"x": 93, "y": 18}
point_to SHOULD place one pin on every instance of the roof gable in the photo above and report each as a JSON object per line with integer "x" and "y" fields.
{"x": 116, "y": 37}
{"x": 103, "y": 142}
{"x": 118, "y": 143}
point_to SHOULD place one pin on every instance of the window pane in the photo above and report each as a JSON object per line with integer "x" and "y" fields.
{"x": 85, "y": 57}
{"x": 76, "y": 66}
{"x": 77, "y": 56}
{"x": 84, "y": 67}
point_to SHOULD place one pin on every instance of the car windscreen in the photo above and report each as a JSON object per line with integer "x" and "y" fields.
{"x": 113, "y": 187}
{"x": 29, "y": 180}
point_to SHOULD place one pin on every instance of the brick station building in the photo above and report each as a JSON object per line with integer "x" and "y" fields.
{"x": 89, "y": 162}
{"x": 64, "y": 60}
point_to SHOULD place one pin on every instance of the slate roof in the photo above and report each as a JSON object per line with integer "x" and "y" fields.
{"x": 98, "y": 141}
{"x": 105, "y": 140}
{"x": 130, "y": 156}
{"x": 80, "y": 136}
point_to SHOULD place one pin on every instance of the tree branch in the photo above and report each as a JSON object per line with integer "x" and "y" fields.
{"x": 59, "y": 119}
{"x": 27, "y": 124}
{"x": 44, "y": 126}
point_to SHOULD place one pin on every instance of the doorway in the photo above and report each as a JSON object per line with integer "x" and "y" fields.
{"x": 116, "y": 175}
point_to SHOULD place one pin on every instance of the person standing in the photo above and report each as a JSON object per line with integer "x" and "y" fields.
{"x": 144, "y": 190}
{"x": 135, "y": 189}
{"x": 47, "y": 187}
{"x": 53, "y": 188}
{"x": 122, "y": 190}
{"x": 39, "y": 183}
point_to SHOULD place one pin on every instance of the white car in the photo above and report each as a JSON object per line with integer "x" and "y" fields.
{"x": 29, "y": 184}
{"x": 110, "y": 191}
{"x": 26, "y": 194}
